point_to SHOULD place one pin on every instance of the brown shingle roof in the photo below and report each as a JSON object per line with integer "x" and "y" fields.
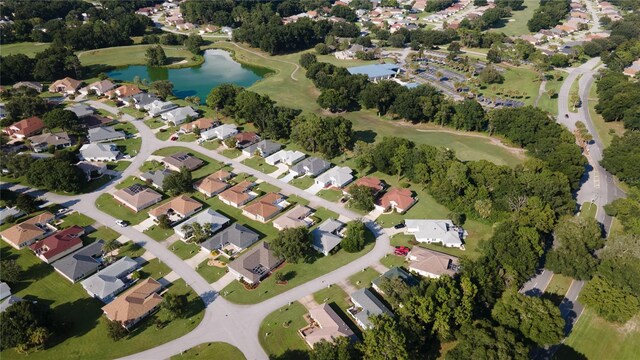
{"x": 431, "y": 261}
{"x": 183, "y": 205}
{"x": 202, "y": 124}
{"x": 182, "y": 159}
{"x": 211, "y": 184}
{"x": 371, "y": 182}
{"x": 134, "y": 303}
{"x": 237, "y": 194}
{"x": 27, "y": 230}
{"x": 403, "y": 198}
{"x": 137, "y": 196}
{"x": 26, "y": 127}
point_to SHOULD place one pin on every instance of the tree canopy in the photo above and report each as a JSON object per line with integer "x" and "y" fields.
{"x": 292, "y": 244}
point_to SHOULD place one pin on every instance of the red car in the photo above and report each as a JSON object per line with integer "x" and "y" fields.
{"x": 174, "y": 138}
{"x": 401, "y": 250}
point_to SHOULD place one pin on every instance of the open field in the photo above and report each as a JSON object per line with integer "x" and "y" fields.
{"x": 605, "y": 130}
{"x": 214, "y": 350}
{"x": 279, "y": 333}
{"x": 557, "y": 288}
{"x": 363, "y": 278}
{"x": 521, "y": 81}
{"x": 210, "y": 273}
{"x": 84, "y": 335}
{"x": 28, "y": 48}
{"x": 588, "y": 210}
{"x": 596, "y": 338}
{"x": 133, "y": 55}
{"x": 517, "y": 23}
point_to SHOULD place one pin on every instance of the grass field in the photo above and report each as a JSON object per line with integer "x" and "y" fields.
{"x": 518, "y": 21}
{"x": 392, "y": 260}
{"x": 605, "y": 130}
{"x": 522, "y": 80}
{"x": 596, "y": 338}
{"x": 363, "y": 279}
{"x": 557, "y": 288}
{"x": 157, "y": 233}
{"x": 84, "y": 334}
{"x": 76, "y": 218}
{"x": 333, "y": 294}
{"x": 109, "y": 205}
{"x": 303, "y": 182}
{"x": 210, "y": 273}
{"x": 184, "y": 250}
{"x": 132, "y": 55}
{"x": 214, "y": 350}
{"x": 547, "y": 103}
{"x": 588, "y": 210}
{"x": 103, "y": 233}
{"x": 28, "y": 48}
{"x": 332, "y": 195}
{"x": 278, "y": 333}
{"x": 259, "y": 164}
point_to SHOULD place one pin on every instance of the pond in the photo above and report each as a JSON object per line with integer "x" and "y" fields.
{"x": 218, "y": 68}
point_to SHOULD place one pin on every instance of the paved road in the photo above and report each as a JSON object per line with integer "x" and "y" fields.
{"x": 223, "y": 320}
{"x": 537, "y": 285}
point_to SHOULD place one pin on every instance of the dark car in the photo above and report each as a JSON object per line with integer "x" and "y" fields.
{"x": 398, "y": 226}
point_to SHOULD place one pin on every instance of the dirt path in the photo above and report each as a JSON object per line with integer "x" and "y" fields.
{"x": 265, "y": 57}
{"x": 541, "y": 92}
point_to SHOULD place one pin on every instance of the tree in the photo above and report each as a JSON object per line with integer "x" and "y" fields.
{"x": 110, "y": 245}
{"x": 56, "y": 174}
{"x": 622, "y": 157}
{"x": 340, "y": 349}
{"x": 361, "y": 197}
{"x": 197, "y": 232}
{"x": 55, "y": 63}
{"x": 10, "y": 271}
{"x": 307, "y": 59}
{"x": 385, "y": 340}
{"x": 344, "y": 12}
{"x": 483, "y": 340}
{"x": 538, "y": 319}
{"x": 164, "y": 222}
{"x": 115, "y": 330}
{"x": 328, "y": 135}
{"x": 494, "y": 56}
{"x": 162, "y": 88}
{"x": 397, "y": 40}
{"x": 608, "y": 301}
{"x": 193, "y": 43}
{"x": 223, "y": 98}
{"x": 178, "y": 183}
{"x": 155, "y": 56}
{"x": 26, "y": 203}
{"x": 355, "y": 236}
{"x": 334, "y": 100}
{"x": 489, "y": 75}
{"x": 322, "y": 49}
{"x": 176, "y": 305}
{"x": 61, "y": 118}
{"x": 24, "y": 325}
{"x": 292, "y": 244}
{"x": 576, "y": 241}
{"x": 23, "y": 106}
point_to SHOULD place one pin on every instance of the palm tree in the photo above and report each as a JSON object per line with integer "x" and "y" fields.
{"x": 109, "y": 246}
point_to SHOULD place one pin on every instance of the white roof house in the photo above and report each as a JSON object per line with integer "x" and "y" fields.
{"x": 208, "y": 216}
{"x": 99, "y": 152}
{"x": 158, "y": 107}
{"x": 263, "y": 148}
{"x": 287, "y": 157}
{"x": 327, "y": 236}
{"x": 108, "y": 282}
{"x": 179, "y": 115}
{"x": 311, "y": 166}
{"x": 436, "y": 231}
{"x": 338, "y": 176}
{"x": 221, "y": 132}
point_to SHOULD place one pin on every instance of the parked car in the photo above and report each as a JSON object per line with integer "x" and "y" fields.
{"x": 121, "y": 223}
{"x": 401, "y": 250}
{"x": 398, "y": 226}
{"x": 174, "y": 138}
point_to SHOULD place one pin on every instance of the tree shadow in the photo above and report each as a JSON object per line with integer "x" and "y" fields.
{"x": 75, "y": 319}
{"x": 291, "y": 355}
{"x": 368, "y": 136}
{"x": 566, "y": 352}
{"x": 289, "y": 275}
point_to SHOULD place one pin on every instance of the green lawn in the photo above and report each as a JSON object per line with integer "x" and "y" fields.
{"x": 109, "y": 205}
{"x": 210, "y": 273}
{"x": 596, "y": 338}
{"x": 187, "y": 137}
{"x": 363, "y": 279}
{"x": 128, "y": 128}
{"x": 155, "y": 268}
{"x": 131, "y": 180}
{"x": 231, "y": 153}
{"x": 165, "y": 134}
{"x": 118, "y": 165}
{"x": 28, "y": 48}
{"x": 297, "y": 274}
{"x": 278, "y": 333}
{"x": 133, "y": 112}
{"x": 158, "y": 234}
{"x": 184, "y": 250}
{"x": 103, "y": 233}
{"x": 605, "y": 130}
{"x": 518, "y": 21}
{"x": 303, "y": 182}
{"x": 151, "y": 165}
{"x": 211, "y": 145}
{"x": 84, "y": 334}
{"x": 259, "y": 164}
{"x": 129, "y": 146}
{"x": 214, "y": 350}
{"x": 332, "y": 195}
{"x": 132, "y": 55}
{"x": 557, "y": 288}
{"x": 154, "y": 123}
{"x": 333, "y": 294}
{"x": 210, "y": 165}
{"x": 522, "y": 80}
{"x": 76, "y": 218}
{"x": 131, "y": 250}
{"x": 265, "y": 187}
{"x": 295, "y": 199}
{"x": 391, "y": 260}
{"x": 548, "y": 103}
{"x": 588, "y": 210}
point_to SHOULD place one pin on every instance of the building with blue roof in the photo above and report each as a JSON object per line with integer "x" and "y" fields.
{"x": 375, "y": 72}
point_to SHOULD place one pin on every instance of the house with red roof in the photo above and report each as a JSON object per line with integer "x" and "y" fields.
{"x": 59, "y": 244}
{"x": 396, "y": 199}
{"x": 25, "y": 128}
{"x": 375, "y": 184}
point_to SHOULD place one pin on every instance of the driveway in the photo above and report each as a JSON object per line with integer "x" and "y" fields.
{"x": 288, "y": 178}
{"x": 144, "y": 225}
{"x": 282, "y": 168}
{"x": 314, "y": 189}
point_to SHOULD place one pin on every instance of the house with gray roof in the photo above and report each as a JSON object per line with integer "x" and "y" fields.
{"x": 12, "y": 299}
{"x": 141, "y": 100}
{"x": 5, "y": 290}
{"x": 327, "y": 236}
{"x": 209, "y": 216}
{"x": 42, "y": 142}
{"x": 366, "y": 305}
{"x": 436, "y": 231}
{"x": 82, "y": 263}
{"x": 110, "y": 281}
{"x": 179, "y": 115}
{"x": 263, "y": 148}
{"x": 391, "y": 275}
{"x": 156, "y": 178}
{"x": 5, "y": 212}
{"x": 235, "y": 238}
{"x": 99, "y": 152}
{"x": 81, "y": 110}
{"x": 28, "y": 84}
{"x": 103, "y": 134}
{"x": 99, "y": 87}
{"x": 338, "y": 176}
{"x": 255, "y": 264}
{"x": 311, "y": 166}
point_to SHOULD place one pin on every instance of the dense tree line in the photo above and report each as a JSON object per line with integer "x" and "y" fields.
{"x": 51, "y": 64}
{"x": 491, "y": 18}
{"x": 56, "y": 173}
{"x": 22, "y": 103}
{"x": 437, "y": 5}
{"x": 330, "y": 136}
{"x": 25, "y": 326}
{"x": 622, "y": 157}
{"x": 549, "y": 14}
{"x": 574, "y": 253}
{"x": 617, "y": 99}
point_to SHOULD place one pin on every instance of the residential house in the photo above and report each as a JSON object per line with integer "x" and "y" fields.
{"x": 140, "y": 101}
{"x": 327, "y": 236}
{"x": 6, "y": 212}
{"x": 238, "y": 195}
{"x": 245, "y": 139}
{"x": 81, "y": 110}
{"x": 436, "y": 231}
{"x": 134, "y": 305}
{"x": 25, "y": 128}
{"x": 29, "y": 231}
{"x": 9, "y": 301}
{"x": 376, "y": 72}
{"x": 326, "y": 326}
{"x": 296, "y": 217}
{"x": 179, "y": 115}
{"x": 221, "y": 132}
{"x": 397, "y": 199}
{"x": 178, "y": 209}
{"x": 633, "y": 69}
{"x": 431, "y": 263}
{"x": 262, "y": 148}
{"x": 203, "y": 124}
{"x": 137, "y": 197}
{"x": 366, "y": 305}
{"x": 94, "y": 120}
{"x": 40, "y": 143}
{"x": 391, "y": 275}
{"x": 265, "y": 208}
{"x": 181, "y": 160}
{"x": 59, "y": 244}
{"x": 29, "y": 84}
{"x": 5, "y": 290}
{"x": 103, "y": 134}
{"x": 99, "y": 87}
{"x": 287, "y": 157}
{"x": 376, "y": 185}
{"x": 108, "y": 282}
{"x": 99, "y": 152}
{"x": 155, "y": 178}
{"x": 338, "y": 176}
{"x": 231, "y": 240}
{"x": 311, "y": 166}
{"x": 215, "y": 221}
{"x": 213, "y": 184}
{"x": 254, "y": 265}
{"x": 92, "y": 170}
{"x": 67, "y": 86}
{"x": 123, "y": 92}
{"x": 82, "y": 263}
{"x": 157, "y": 107}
